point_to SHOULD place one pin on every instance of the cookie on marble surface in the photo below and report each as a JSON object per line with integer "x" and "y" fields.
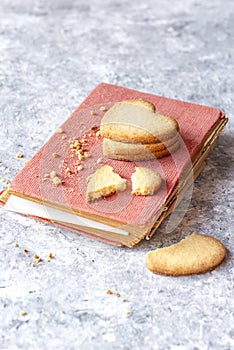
{"x": 145, "y": 181}
{"x": 134, "y": 123}
{"x": 195, "y": 254}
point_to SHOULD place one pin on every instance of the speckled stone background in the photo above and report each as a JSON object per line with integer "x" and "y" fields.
{"x": 52, "y": 54}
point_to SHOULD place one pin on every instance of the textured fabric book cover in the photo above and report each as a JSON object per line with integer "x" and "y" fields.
{"x": 123, "y": 210}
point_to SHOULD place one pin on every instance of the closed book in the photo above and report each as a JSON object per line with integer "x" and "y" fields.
{"x": 52, "y": 186}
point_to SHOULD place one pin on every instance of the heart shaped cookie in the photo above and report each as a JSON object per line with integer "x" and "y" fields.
{"x": 135, "y": 121}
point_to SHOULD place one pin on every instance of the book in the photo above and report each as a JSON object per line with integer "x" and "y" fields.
{"x": 52, "y": 186}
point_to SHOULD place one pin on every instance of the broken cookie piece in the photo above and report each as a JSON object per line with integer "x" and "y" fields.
{"x": 145, "y": 181}
{"x": 103, "y": 183}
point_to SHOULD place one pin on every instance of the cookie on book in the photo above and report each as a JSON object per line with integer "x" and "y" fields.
{"x": 145, "y": 181}
{"x": 195, "y": 254}
{"x": 141, "y": 103}
{"x": 134, "y": 123}
{"x": 138, "y": 152}
{"x": 103, "y": 183}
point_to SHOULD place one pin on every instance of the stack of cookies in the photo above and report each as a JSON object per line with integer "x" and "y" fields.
{"x": 132, "y": 131}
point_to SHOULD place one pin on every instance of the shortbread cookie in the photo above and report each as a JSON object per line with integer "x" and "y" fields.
{"x": 194, "y": 254}
{"x": 137, "y": 147}
{"x": 130, "y": 122}
{"x": 141, "y": 103}
{"x": 136, "y": 152}
{"x": 103, "y": 183}
{"x": 145, "y": 181}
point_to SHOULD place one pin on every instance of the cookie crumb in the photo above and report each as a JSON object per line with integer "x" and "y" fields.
{"x": 53, "y": 174}
{"x": 15, "y": 245}
{"x": 227, "y": 238}
{"x": 38, "y": 260}
{"x": 59, "y": 131}
{"x": 117, "y": 294}
{"x": 108, "y": 291}
{"x": 62, "y": 311}
{"x": 35, "y": 256}
{"x": 50, "y": 256}
{"x": 80, "y": 167}
{"x": 56, "y": 181}
{"x": 3, "y": 180}
{"x": 26, "y": 251}
{"x": 99, "y": 160}
{"x": 26, "y": 162}
{"x": 93, "y": 113}
{"x": 127, "y": 312}
{"x": 55, "y": 155}
{"x": 80, "y": 157}
{"x": 103, "y": 108}
{"x": 94, "y": 128}
{"x": 32, "y": 265}
{"x": 23, "y": 313}
{"x": 86, "y": 155}
{"x": 19, "y": 155}
{"x": 123, "y": 300}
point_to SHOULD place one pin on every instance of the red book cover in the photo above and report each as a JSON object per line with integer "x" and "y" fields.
{"x": 59, "y": 154}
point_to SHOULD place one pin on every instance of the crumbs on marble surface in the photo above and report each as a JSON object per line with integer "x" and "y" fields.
{"x": 116, "y": 294}
{"x": 19, "y": 155}
{"x": 23, "y": 313}
{"x": 36, "y": 258}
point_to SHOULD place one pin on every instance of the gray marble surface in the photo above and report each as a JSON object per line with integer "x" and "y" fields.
{"x": 52, "y": 53}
